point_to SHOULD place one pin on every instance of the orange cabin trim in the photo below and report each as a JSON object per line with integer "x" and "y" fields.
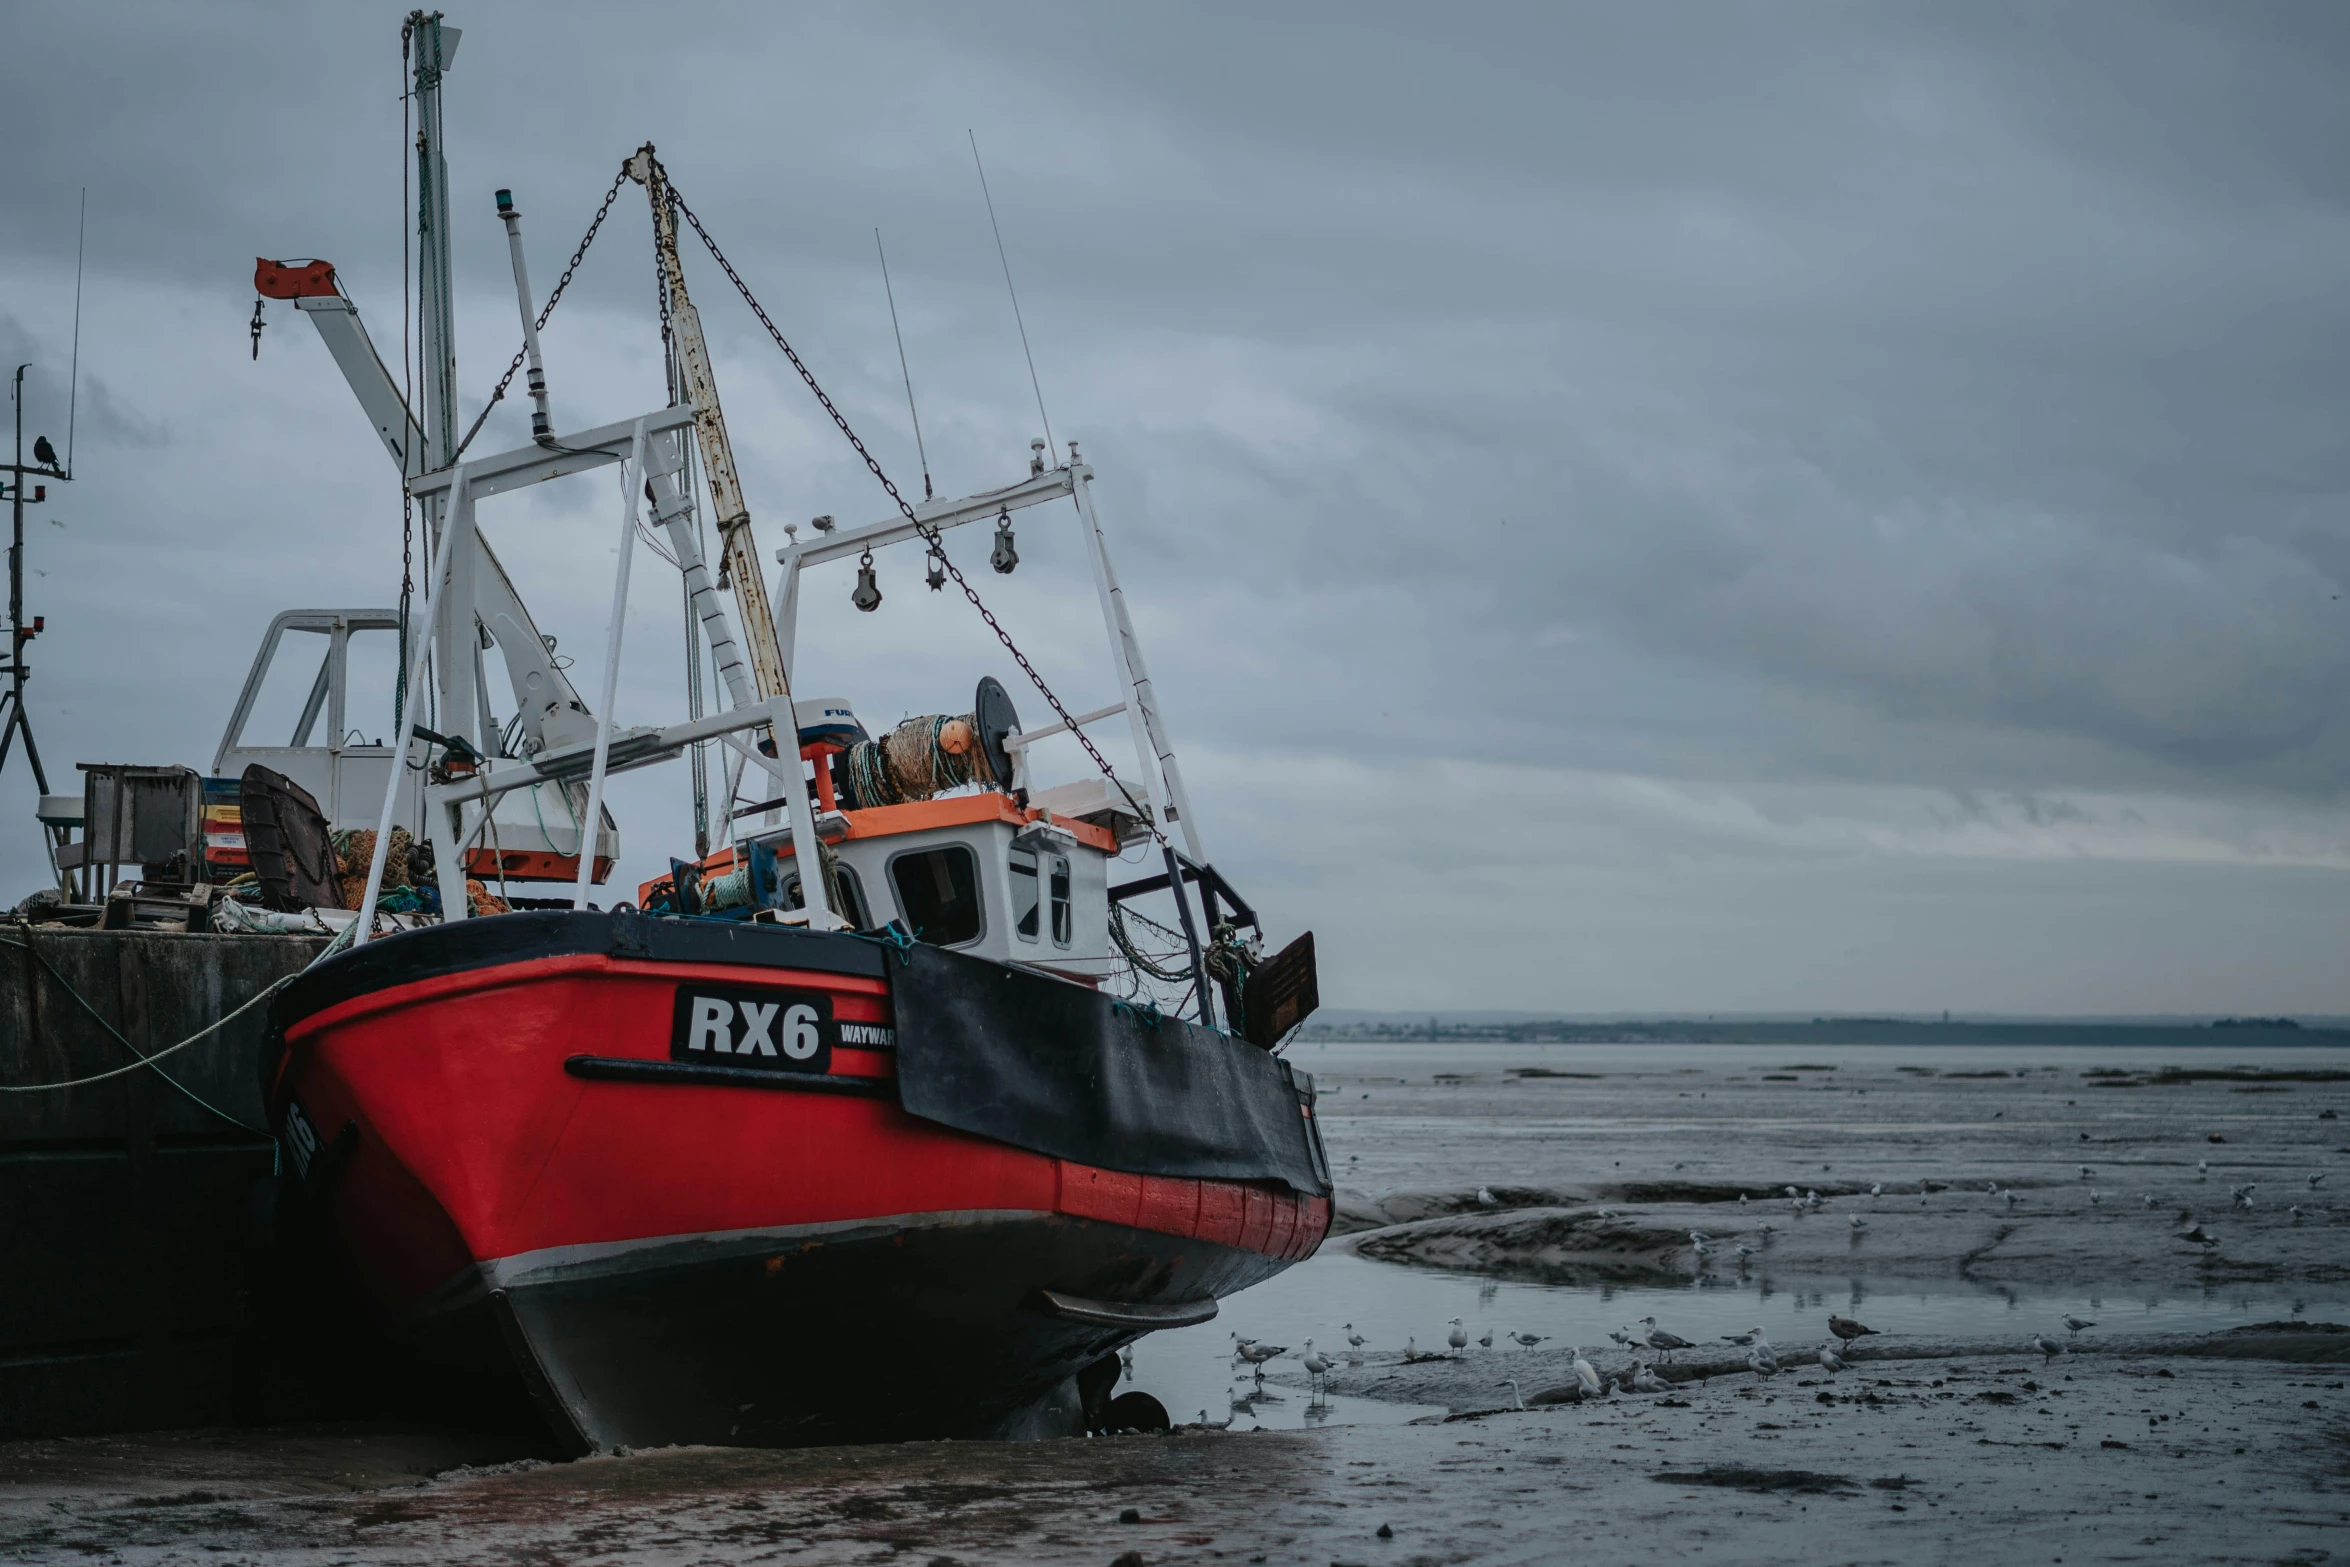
{"x": 884, "y": 821}
{"x": 881, "y": 821}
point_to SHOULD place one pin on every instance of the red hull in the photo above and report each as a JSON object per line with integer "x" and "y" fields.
{"x": 467, "y": 1164}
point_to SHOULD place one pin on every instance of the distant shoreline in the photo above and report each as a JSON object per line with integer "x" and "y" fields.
{"x": 2228, "y": 1034}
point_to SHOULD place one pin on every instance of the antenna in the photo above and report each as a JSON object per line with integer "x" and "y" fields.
{"x": 74, "y": 379}
{"x": 902, "y": 370}
{"x": 1009, "y": 289}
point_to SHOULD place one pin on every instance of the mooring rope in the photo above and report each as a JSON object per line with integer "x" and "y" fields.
{"x": 147, "y": 1060}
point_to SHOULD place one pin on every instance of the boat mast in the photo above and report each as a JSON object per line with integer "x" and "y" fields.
{"x": 739, "y": 565}
{"x": 435, "y": 47}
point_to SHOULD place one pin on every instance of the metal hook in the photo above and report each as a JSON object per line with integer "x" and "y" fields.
{"x": 257, "y": 323}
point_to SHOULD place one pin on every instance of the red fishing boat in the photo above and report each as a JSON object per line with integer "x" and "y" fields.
{"x": 893, "y": 1116}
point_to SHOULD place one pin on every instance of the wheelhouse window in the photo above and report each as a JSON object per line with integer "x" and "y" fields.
{"x": 1063, "y": 925}
{"x": 938, "y": 893}
{"x": 1027, "y": 896}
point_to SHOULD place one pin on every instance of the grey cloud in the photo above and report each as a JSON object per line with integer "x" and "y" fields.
{"x": 1938, "y": 397}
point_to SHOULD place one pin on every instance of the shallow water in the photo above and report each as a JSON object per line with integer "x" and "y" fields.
{"x": 1424, "y": 1131}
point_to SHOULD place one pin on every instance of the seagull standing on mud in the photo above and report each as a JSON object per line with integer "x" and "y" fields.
{"x": 1662, "y": 1342}
{"x": 1847, "y": 1329}
{"x": 1645, "y": 1380}
{"x": 1354, "y": 1341}
{"x": 2096, "y": 1197}
{"x": 1529, "y": 1340}
{"x": 1829, "y": 1359}
{"x": 1485, "y": 1197}
{"x": 2074, "y": 1324}
{"x": 1458, "y": 1338}
{"x": 2048, "y": 1347}
{"x": 1485, "y": 1339}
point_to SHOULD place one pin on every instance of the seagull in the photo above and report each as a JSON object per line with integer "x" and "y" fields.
{"x": 1662, "y": 1342}
{"x": 2241, "y": 1196}
{"x": 2295, "y": 1210}
{"x": 1411, "y": 1347}
{"x": 1529, "y": 1340}
{"x": 1354, "y": 1340}
{"x": 2149, "y": 1199}
{"x": 1486, "y": 1198}
{"x": 1847, "y": 1329}
{"x": 1317, "y": 1366}
{"x": 1766, "y": 1230}
{"x": 1699, "y": 1237}
{"x": 2086, "y": 1172}
{"x": 2193, "y": 1230}
{"x": 2203, "y": 1169}
{"x": 1991, "y": 1188}
{"x": 1257, "y": 1354}
{"x": 2012, "y": 1199}
{"x": 1621, "y": 1337}
{"x": 2048, "y": 1347}
{"x": 1645, "y": 1380}
{"x": 1792, "y": 1192}
{"x": 2316, "y": 1181}
{"x": 1512, "y": 1384}
{"x": 1830, "y": 1360}
{"x": 1877, "y": 1189}
{"x": 1761, "y": 1362}
{"x": 1458, "y": 1338}
{"x": 1240, "y": 1346}
{"x": 1747, "y": 1337}
{"x": 1586, "y": 1377}
{"x": 1859, "y": 1223}
{"x": 1224, "y": 1424}
{"x": 1742, "y": 1199}
{"x": 1607, "y": 1213}
{"x": 2075, "y": 1324}
{"x": 2096, "y": 1197}
{"x": 1745, "y": 1253}
{"x": 43, "y": 452}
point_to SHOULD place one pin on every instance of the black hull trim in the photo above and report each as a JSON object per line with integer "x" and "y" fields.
{"x": 941, "y": 1329}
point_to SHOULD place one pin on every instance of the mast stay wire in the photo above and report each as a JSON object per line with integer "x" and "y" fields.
{"x": 930, "y": 535}
{"x": 1034, "y": 385}
{"x": 908, "y": 375}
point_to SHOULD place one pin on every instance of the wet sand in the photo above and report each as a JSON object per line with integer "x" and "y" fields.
{"x": 2228, "y": 1447}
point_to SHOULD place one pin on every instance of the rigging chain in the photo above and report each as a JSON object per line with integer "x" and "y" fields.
{"x": 930, "y": 534}
{"x": 561, "y": 283}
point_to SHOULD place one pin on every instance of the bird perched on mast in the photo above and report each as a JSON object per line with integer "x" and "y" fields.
{"x": 43, "y": 452}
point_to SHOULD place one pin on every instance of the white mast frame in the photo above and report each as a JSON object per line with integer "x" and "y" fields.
{"x": 454, "y": 810}
{"x": 1161, "y": 777}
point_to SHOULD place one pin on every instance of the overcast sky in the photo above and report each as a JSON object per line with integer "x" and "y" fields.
{"x": 1708, "y": 507}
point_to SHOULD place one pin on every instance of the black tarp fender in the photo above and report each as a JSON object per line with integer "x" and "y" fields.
{"x": 1058, "y": 1069}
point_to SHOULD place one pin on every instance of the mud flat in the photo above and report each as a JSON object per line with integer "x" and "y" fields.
{"x": 2206, "y": 1446}
{"x": 2135, "y": 1459}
